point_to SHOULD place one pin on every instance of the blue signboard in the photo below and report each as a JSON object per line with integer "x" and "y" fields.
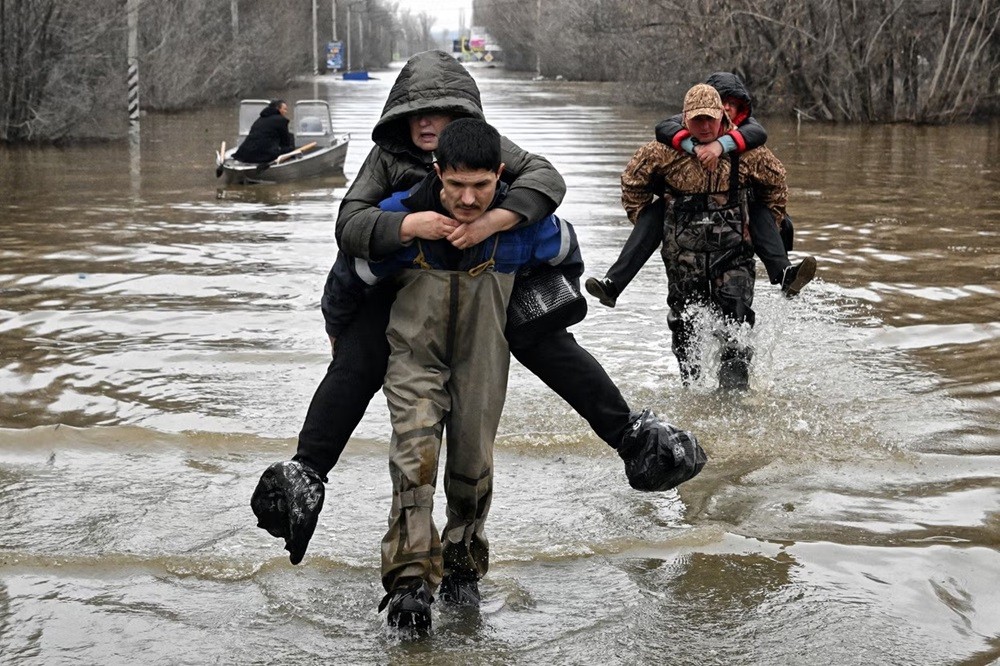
{"x": 334, "y": 55}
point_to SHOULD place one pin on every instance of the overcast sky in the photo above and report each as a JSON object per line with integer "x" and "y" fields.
{"x": 447, "y": 11}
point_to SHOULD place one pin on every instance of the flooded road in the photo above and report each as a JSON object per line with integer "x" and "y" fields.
{"x": 160, "y": 341}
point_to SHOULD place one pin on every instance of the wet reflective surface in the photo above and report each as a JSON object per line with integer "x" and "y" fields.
{"x": 160, "y": 340}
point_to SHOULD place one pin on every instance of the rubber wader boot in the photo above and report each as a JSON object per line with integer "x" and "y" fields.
{"x": 460, "y": 590}
{"x": 409, "y": 605}
{"x": 734, "y": 371}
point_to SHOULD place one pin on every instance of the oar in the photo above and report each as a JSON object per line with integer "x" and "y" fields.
{"x": 220, "y": 157}
{"x": 281, "y": 158}
{"x": 293, "y": 153}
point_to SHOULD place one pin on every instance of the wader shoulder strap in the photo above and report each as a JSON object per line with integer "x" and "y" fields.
{"x": 489, "y": 263}
{"x": 420, "y": 260}
{"x": 734, "y": 175}
{"x": 734, "y": 179}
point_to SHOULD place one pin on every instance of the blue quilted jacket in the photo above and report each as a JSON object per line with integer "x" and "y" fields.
{"x": 551, "y": 240}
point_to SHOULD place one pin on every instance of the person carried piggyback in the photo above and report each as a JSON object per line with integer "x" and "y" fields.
{"x": 448, "y": 362}
{"x": 771, "y": 238}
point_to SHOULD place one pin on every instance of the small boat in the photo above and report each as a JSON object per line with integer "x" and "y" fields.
{"x": 322, "y": 152}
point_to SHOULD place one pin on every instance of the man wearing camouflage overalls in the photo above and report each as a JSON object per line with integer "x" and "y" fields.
{"x": 706, "y": 247}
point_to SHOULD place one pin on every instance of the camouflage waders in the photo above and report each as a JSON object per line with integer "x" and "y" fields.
{"x": 709, "y": 261}
{"x": 448, "y": 366}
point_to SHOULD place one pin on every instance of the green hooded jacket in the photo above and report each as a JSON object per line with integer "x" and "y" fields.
{"x": 430, "y": 82}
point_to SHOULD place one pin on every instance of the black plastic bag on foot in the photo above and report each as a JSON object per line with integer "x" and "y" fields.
{"x": 659, "y": 456}
{"x": 287, "y": 502}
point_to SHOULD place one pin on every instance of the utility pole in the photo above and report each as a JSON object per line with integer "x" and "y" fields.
{"x": 333, "y": 13}
{"x": 538, "y": 38}
{"x": 234, "y": 11}
{"x": 350, "y": 52}
{"x": 315, "y": 45}
{"x": 135, "y": 164}
{"x": 361, "y": 38}
{"x": 132, "y": 11}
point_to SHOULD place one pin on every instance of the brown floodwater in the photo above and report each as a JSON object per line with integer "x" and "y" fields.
{"x": 160, "y": 339}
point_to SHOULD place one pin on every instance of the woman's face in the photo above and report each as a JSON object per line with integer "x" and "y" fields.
{"x": 734, "y": 107}
{"x": 425, "y": 129}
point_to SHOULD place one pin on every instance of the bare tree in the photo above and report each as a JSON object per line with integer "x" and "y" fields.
{"x": 55, "y": 81}
{"x": 415, "y": 32}
{"x": 62, "y": 62}
{"x": 426, "y": 22}
{"x": 855, "y": 60}
{"x": 874, "y": 61}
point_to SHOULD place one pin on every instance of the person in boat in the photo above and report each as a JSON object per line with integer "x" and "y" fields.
{"x": 771, "y": 240}
{"x": 431, "y": 90}
{"x": 706, "y": 248}
{"x": 268, "y": 137}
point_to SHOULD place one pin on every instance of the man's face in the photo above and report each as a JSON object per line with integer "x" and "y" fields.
{"x": 467, "y": 193}
{"x": 704, "y": 128}
{"x": 424, "y": 130}
{"x": 283, "y": 109}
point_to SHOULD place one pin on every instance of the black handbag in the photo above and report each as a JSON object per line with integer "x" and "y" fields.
{"x": 543, "y": 300}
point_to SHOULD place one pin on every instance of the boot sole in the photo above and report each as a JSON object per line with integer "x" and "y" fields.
{"x": 807, "y": 271}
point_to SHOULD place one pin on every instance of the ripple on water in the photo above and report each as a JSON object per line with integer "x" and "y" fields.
{"x": 847, "y": 505}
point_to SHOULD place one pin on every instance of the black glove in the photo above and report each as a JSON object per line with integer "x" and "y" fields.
{"x": 287, "y": 502}
{"x": 659, "y": 456}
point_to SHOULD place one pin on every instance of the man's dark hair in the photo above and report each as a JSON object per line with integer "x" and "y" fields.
{"x": 468, "y": 143}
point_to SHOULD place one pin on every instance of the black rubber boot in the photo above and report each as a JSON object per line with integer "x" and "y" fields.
{"x": 797, "y": 276}
{"x": 603, "y": 290}
{"x": 460, "y": 590}
{"x": 409, "y": 605}
{"x": 287, "y": 502}
{"x": 734, "y": 371}
{"x": 681, "y": 343}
